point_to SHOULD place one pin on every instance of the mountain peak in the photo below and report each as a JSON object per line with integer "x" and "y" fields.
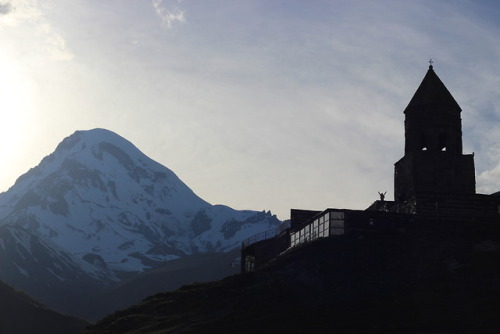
{"x": 99, "y": 197}
{"x": 93, "y": 137}
{"x": 97, "y": 210}
{"x": 96, "y": 154}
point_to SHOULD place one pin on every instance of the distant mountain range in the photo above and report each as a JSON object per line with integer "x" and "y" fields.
{"x": 98, "y": 211}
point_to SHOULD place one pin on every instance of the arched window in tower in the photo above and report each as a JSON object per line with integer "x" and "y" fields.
{"x": 423, "y": 143}
{"x": 443, "y": 142}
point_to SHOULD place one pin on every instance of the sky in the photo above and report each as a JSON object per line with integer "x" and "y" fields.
{"x": 254, "y": 104}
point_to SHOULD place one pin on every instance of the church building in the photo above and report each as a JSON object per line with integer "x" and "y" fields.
{"x": 434, "y": 177}
{"x": 434, "y": 183}
{"x": 433, "y": 160}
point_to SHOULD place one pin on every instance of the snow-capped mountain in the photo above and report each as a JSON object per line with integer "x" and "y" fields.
{"x": 101, "y": 201}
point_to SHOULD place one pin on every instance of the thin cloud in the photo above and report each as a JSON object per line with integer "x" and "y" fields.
{"x": 168, "y": 17}
{"x": 24, "y": 11}
{"x": 54, "y": 43}
{"x": 5, "y": 8}
{"x": 28, "y": 18}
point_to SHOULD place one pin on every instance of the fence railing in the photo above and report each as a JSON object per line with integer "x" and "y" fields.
{"x": 266, "y": 234}
{"x": 329, "y": 224}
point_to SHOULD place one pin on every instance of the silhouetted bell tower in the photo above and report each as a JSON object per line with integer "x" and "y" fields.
{"x": 433, "y": 160}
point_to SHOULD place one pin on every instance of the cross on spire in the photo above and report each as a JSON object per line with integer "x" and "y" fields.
{"x": 430, "y": 63}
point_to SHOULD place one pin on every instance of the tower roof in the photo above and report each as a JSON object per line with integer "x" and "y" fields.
{"x": 432, "y": 91}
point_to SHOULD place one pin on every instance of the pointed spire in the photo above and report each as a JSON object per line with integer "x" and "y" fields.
{"x": 432, "y": 91}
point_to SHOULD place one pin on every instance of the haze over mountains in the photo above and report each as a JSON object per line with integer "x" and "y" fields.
{"x": 97, "y": 211}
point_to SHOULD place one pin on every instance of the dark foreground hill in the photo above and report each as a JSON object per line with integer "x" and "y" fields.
{"x": 20, "y": 314}
{"x": 427, "y": 278}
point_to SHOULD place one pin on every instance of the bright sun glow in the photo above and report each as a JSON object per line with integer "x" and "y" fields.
{"x": 15, "y": 107}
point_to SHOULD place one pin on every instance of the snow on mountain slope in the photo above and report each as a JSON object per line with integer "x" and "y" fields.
{"x": 100, "y": 199}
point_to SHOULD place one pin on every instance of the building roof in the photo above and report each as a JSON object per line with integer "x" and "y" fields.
{"x": 432, "y": 91}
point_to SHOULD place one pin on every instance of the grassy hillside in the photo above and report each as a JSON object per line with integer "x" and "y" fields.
{"x": 430, "y": 278}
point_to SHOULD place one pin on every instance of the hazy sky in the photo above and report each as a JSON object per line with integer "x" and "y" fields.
{"x": 256, "y": 104}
